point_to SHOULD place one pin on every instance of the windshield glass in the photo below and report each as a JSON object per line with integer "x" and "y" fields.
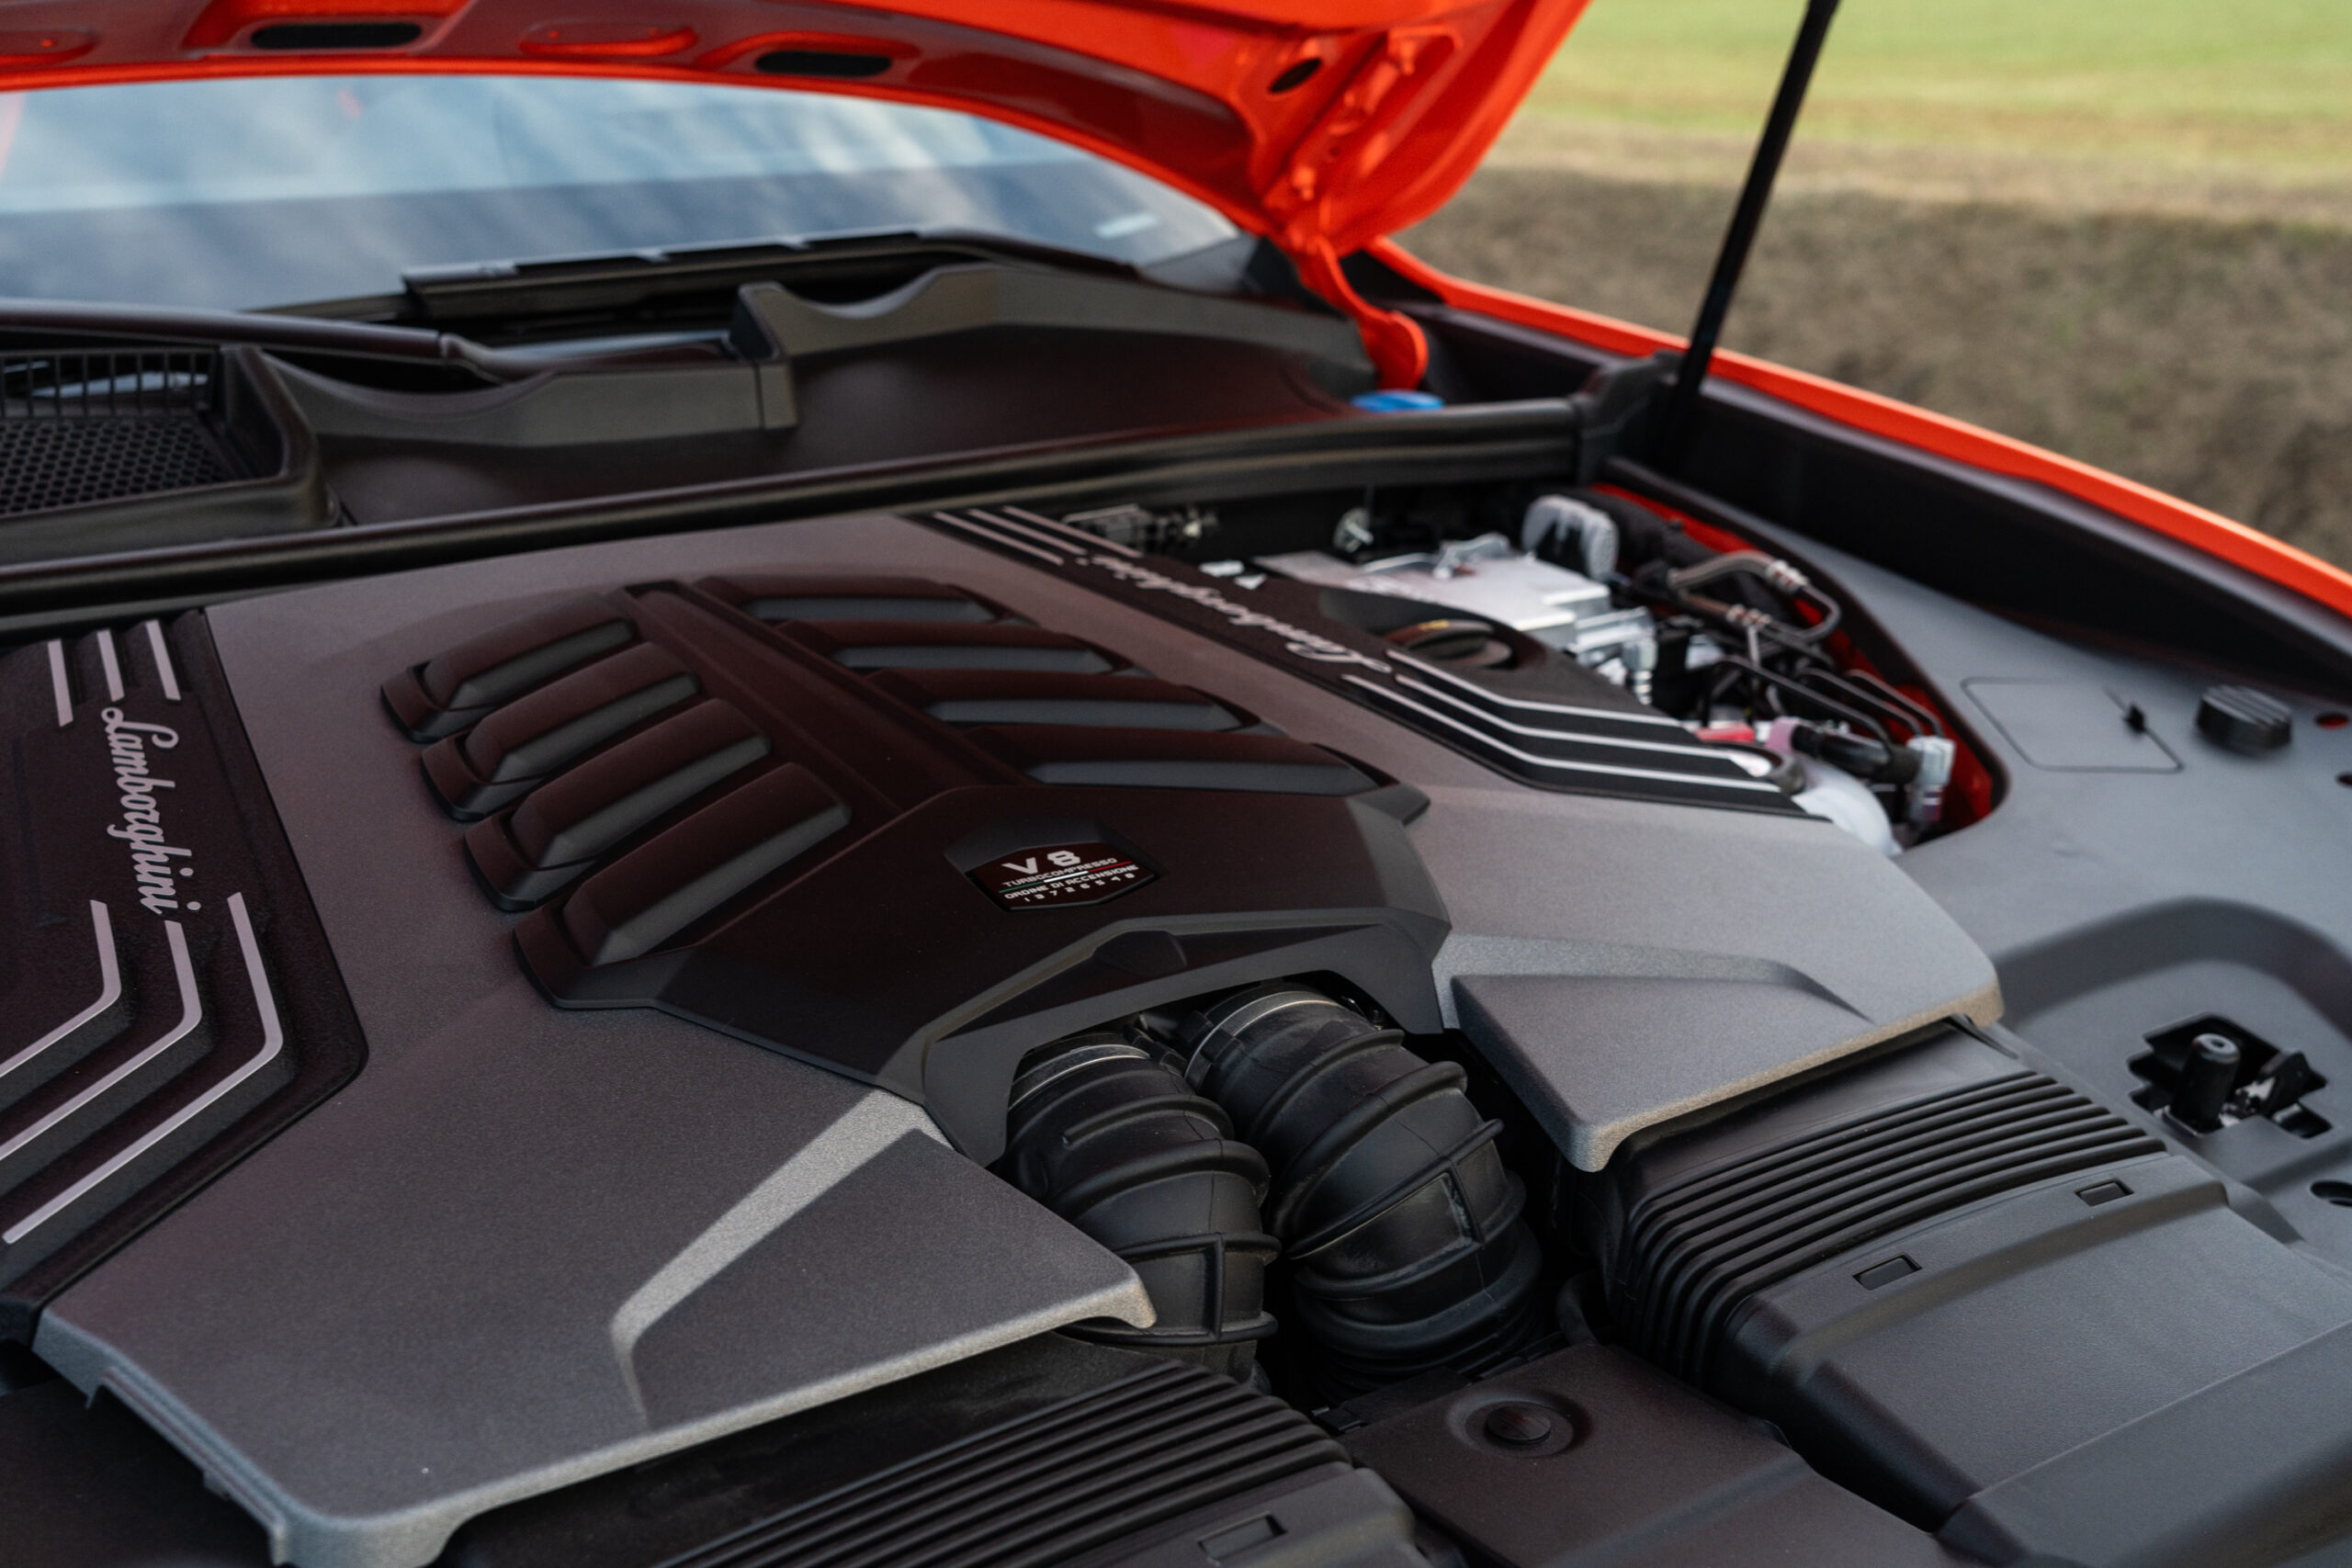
{"x": 284, "y": 191}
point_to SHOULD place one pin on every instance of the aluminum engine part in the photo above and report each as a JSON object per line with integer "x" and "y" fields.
{"x": 1489, "y": 576}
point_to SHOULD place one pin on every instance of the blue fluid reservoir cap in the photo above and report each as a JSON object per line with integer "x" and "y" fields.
{"x": 1397, "y": 402}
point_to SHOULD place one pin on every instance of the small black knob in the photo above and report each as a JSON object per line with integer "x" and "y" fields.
{"x": 1521, "y": 1426}
{"x": 2206, "y": 1079}
{"x": 2244, "y": 719}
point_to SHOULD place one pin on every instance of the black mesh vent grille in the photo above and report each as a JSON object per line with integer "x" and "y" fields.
{"x": 1694, "y": 1251}
{"x": 85, "y": 427}
{"x": 1046, "y": 1487}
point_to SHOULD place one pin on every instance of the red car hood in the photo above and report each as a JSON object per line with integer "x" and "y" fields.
{"x": 1323, "y": 124}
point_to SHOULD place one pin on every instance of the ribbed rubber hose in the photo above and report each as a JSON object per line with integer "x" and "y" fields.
{"x": 1403, "y": 1231}
{"x": 1112, "y": 1140}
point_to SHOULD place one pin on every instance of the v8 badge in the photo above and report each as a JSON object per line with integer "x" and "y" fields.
{"x": 1056, "y": 874}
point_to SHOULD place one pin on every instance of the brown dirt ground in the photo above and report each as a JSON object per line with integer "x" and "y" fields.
{"x": 2209, "y": 358}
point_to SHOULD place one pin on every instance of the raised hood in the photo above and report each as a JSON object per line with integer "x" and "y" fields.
{"x": 1322, "y": 124}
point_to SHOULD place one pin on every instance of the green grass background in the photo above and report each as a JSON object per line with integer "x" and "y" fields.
{"x": 2118, "y": 229}
{"x": 2265, "y": 82}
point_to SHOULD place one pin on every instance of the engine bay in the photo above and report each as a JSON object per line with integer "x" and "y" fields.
{"x": 1477, "y": 1005}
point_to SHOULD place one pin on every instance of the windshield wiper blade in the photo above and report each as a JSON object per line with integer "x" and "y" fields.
{"x": 81, "y": 321}
{"x": 596, "y": 281}
{"x": 659, "y": 285}
{"x": 171, "y": 323}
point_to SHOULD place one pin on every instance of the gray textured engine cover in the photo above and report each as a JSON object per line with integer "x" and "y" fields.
{"x": 528, "y": 1245}
{"x": 1621, "y": 972}
{"x": 525, "y": 1245}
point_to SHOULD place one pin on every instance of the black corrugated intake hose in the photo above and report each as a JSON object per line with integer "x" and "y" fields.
{"x": 1111, "y": 1138}
{"x": 1401, "y": 1226}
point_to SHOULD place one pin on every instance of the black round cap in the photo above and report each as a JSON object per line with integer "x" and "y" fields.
{"x": 2244, "y": 719}
{"x": 1521, "y": 1426}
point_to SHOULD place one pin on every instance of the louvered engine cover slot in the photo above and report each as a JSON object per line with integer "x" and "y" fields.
{"x": 529, "y": 853}
{"x": 446, "y": 694}
{"x": 808, "y": 597}
{"x": 1144, "y": 759}
{"x": 833, "y": 815}
{"x": 1117, "y": 702}
{"x": 499, "y": 758}
{"x": 928, "y": 645}
{"x": 650, "y": 894}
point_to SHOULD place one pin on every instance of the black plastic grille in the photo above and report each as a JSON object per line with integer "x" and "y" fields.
{"x": 77, "y": 428}
{"x": 1048, "y": 1486}
{"x": 1694, "y": 1251}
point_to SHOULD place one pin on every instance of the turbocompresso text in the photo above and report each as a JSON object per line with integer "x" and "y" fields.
{"x": 152, "y": 858}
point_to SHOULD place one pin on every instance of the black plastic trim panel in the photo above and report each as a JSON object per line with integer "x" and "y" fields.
{"x": 906, "y": 850}
{"x": 1037, "y": 1454}
{"x": 1591, "y": 739}
{"x": 171, "y": 999}
{"x": 1447, "y": 445}
{"x": 1694, "y": 1252}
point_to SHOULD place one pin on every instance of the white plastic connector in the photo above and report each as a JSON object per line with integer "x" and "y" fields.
{"x": 1593, "y": 532}
{"x": 1935, "y": 755}
{"x": 1640, "y": 657}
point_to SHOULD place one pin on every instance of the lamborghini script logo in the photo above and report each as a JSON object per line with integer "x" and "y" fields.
{"x": 1297, "y": 639}
{"x": 143, "y": 819}
{"x": 1061, "y": 874}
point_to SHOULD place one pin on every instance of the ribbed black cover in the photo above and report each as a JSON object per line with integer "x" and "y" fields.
{"x": 964, "y": 796}
{"x": 1584, "y": 736}
{"x": 1695, "y": 1250}
{"x": 1046, "y": 1488}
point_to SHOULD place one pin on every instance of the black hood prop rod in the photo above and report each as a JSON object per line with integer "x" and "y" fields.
{"x": 1683, "y": 402}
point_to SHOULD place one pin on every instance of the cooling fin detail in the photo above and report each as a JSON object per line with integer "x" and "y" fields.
{"x": 1609, "y": 745}
{"x": 1048, "y": 1487}
{"x": 1694, "y": 1251}
{"x": 1046, "y": 1451}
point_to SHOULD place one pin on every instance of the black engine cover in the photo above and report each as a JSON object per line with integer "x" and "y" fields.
{"x": 1049, "y": 837}
{"x": 1996, "y": 1308}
